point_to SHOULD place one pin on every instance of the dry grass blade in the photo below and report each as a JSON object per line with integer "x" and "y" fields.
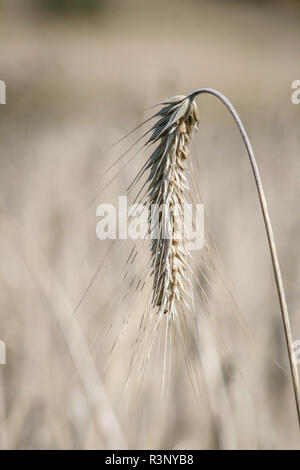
{"x": 96, "y": 394}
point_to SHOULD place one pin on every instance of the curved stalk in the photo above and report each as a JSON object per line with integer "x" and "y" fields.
{"x": 271, "y": 240}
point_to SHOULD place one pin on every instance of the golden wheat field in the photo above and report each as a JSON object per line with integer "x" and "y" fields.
{"x": 77, "y": 330}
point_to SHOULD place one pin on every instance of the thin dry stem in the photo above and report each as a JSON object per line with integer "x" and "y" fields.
{"x": 270, "y": 236}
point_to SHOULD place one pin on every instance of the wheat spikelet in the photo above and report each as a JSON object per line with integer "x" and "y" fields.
{"x": 166, "y": 187}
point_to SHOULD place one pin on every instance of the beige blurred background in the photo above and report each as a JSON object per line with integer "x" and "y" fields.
{"x": 79, "y": 75}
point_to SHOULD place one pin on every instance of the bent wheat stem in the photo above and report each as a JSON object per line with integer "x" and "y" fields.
{"x": 270, "y": 236}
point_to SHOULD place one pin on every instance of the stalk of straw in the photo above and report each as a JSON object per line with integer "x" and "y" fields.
{"x": 271, "y": 240}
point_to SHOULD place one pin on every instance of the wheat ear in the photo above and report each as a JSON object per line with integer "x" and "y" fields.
{"x": 165, "y": 200}
{"x": 166, "y": 187}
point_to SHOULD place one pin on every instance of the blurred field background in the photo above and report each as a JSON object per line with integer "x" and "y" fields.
{"x": 79, "y": 75}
